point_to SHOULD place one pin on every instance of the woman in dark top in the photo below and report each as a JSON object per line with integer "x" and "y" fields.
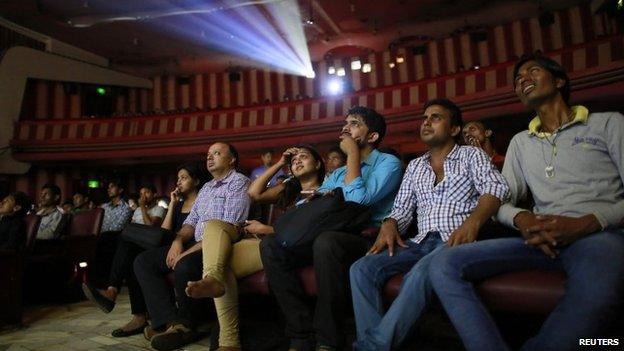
{"x": 190, "y": 180}
{"x": 13, "y": 209}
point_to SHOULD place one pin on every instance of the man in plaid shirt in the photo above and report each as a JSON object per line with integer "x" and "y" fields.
{"x": 222, "y": 199}
{"x": 453, "y": 190}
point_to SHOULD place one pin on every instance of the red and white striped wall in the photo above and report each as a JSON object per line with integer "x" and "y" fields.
{"x": 583, "y": 60}
{"x": 443, "y": 57}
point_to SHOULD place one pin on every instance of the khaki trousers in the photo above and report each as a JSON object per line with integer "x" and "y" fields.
{"x": 226, "y": 260}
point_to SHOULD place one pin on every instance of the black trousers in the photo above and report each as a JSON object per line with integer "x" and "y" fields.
{"x": 151, "y": 270}
{"x": 122, "y": 269}
{"x": 332, "y": 253}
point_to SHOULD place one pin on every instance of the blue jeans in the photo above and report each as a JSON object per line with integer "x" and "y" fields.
{"x": 379, "y": 331}
{"x": 594, "y": 266}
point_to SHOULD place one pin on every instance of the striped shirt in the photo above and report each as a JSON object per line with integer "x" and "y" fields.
{"x": 225, "y": 200}
{"x": 443, "y": 207}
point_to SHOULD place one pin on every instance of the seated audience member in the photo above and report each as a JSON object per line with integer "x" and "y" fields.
{"x": 267, "y": 161}
{"x": 51, "y": 215}
{"x": 572, "y": 161}
{"x": 190, "y": 179}
{"x": 68, "y": 206}
{"x": 336, "y": 158}
{"x": 221, "y": 204}
{"x": 370, "y": 178}
{"x": 116, "y": 212}
{"x": 133, "y": 202}
{"x": 453, "y": 190}
{"x": 226, "y": 260}
{"x": 477, "y": 134}
{"x": 13, "y": 209}
{"x": 80, "y": 202}
{"x": 148, "y": 212}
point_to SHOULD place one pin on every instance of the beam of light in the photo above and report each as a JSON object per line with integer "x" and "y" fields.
{"x": 271, "y": 35}
{"x": 267, "y": 32}
{"x": 88, "y": 21}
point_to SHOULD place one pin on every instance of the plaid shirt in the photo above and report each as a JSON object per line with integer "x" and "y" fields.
{"x": 225, "y": 200}
{"x": 115, "y": 216}
{"x": 468, "y": 174}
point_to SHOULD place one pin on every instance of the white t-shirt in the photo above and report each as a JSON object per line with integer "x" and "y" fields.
{"x": 155, "y": 211}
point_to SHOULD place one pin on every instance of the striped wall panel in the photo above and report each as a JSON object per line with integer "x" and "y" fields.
{"x": 466, "y": 85}
{"x": 443, "y": 57}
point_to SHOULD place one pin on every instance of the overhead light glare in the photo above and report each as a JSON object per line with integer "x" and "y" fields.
{"x": 356, "y": 65}
{"x": 340, "y": 72}
{"x": 366, "y": 68}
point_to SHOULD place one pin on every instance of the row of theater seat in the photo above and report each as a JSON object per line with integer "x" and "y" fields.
{"x": 524, "y": 292}
{"x": 46, "y": 265}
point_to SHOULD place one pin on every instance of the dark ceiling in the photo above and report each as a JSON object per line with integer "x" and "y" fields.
{"x": 167, "y": 37}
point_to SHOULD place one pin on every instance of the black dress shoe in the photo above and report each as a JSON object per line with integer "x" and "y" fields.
{"x": 120, "y": 333}
{"x": 97, "y": 298}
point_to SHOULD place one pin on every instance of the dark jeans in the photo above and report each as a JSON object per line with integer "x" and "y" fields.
{"x": 122, "y": 269}
{"x": 332, "y": 254}
{"x": 594, "y": 266}
{"x": 151, "y": 270}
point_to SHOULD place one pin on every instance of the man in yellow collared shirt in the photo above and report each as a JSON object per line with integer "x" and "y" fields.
{"x": 573, "y": 163}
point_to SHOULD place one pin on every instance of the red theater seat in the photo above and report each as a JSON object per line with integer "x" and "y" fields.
{"x": 87, "y": 223}
{"x": 32, "y": 225}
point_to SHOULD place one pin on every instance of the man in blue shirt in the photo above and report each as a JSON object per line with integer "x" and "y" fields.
{"x": 370, "y": 178}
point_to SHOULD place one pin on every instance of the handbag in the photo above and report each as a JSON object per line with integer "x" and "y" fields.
{"x": 145, "y": 236}
{"x": 299, "y": 226}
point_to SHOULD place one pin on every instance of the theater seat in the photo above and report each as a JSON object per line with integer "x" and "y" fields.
{"x": 87, "y": 223}
{"x": 32, "y": 225}
{"x": 525, "y": 292}
{"x": 81, "y": 240}
{"x": 528, "y": 292}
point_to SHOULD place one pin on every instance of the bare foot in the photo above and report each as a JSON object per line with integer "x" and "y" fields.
{"x": 207, "y": 287}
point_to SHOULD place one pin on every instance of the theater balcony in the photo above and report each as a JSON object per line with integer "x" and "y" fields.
{"x": 596, "y": 70}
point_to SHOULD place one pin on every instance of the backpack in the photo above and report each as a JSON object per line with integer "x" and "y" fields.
{"x": 299, "y": 226}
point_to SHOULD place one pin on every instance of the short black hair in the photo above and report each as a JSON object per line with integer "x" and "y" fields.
{"x": 148, "y": 186}
{"x": 118, "y": 183}
{"x": 196, "y": 172}
{"x": 234, "y": 154}
{"x": 339, "y": 151}
{"x": 375, "y": 122}
{"x": 450, "y": 106}
{"x": 551, "y": 66}
{"x": 23, "y": 201}
{"x": 54, "y": 189}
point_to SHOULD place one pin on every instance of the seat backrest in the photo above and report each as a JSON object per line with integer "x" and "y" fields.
{"x": 86, "y": 223}
{"x": 32, "y": 226}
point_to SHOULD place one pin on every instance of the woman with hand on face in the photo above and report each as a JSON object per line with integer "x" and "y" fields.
{"x": 308, "y": 170}
{"x": 190, "y": 180}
